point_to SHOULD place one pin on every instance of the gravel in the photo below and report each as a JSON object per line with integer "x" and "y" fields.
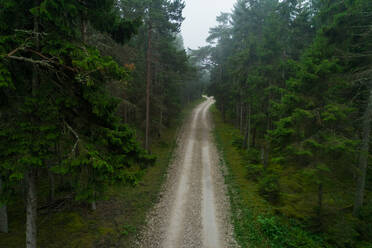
{"x": 193, "y": 210}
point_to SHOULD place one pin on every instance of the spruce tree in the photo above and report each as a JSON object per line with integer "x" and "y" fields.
{"x": 64, "y": 102}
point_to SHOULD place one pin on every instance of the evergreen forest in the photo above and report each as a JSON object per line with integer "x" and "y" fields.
{"x": 294, "y": 78}
{"x": 94, "y": 92}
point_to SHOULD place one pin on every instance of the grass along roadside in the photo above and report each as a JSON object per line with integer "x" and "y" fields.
{"x": 147, "y": 193}
{"x": 118, "y": 218}
{"x": 255, "y": 221}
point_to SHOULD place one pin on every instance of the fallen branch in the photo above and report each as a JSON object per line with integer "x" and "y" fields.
{"x": 57, "y": 203}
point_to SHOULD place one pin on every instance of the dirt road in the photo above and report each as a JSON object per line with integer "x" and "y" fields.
{"x": 193, "y": 210}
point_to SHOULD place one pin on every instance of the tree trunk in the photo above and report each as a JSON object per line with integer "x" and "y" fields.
{"x": 3, "y": 214}
{"x": 241, "y": 117}
{"x": 3, "y": 219}
{"x": 266, "y": 156}
{"x": 125, "y": 113}
{"x": 31, "y": 174}
{"x": 320, "y": 200}
{"x": 320, "y": 205}
{"x": 267, "y": 144}
{"x": 223, "y": 112}
{"x": 161, "y": 118}
{"x": 31, "y": 209}
{"x": 247, "y": 136}
{"x": 220, "y": 73}
{"x": 363, "y": 157}
{"x": 52, "y": 187}
{"x": 237, "y": 115}
{"x": 254, "y": 137}
{"x": 94, "y": 205}
{"x": 148, "y": 85}
{"x": 84, "y": 26}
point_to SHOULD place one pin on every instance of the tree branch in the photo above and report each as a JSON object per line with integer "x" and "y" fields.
{"x": 24, "y": 59}
{"x": 50, "y": 60}
{"x": 46, "y": 62}
{"x": 76, "y": 136}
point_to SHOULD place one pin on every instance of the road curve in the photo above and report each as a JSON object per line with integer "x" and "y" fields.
{"x": 193, "y": 210}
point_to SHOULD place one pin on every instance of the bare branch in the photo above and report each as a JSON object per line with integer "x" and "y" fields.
{"x": 76, "y": 136}
{"x": 40, "y": 62}
{"x": 46, "y": 62}
{"x": 50, "y": 60}
{"x": 14, "y": 51}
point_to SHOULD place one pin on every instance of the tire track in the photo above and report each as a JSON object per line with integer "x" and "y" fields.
{"x": 193, "y": 210}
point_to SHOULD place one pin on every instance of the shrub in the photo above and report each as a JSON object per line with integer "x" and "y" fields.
{"x": 238, "y": 142}
{"x": 269, "y": 188}
{"x": 252, "y": 156}
{"x": 365, "y": 228}
{"x": 283, "y": 236}
{"x": 341, "y": 231}
{"x": 271, "y": 229}
{"x": 254, "y": 171}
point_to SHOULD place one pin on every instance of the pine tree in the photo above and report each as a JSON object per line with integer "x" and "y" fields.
{"x": 65, "y": 101}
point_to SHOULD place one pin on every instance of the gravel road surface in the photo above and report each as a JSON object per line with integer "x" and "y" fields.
{"x": 193, "y": 210}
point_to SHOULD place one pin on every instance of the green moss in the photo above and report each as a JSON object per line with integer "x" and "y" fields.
{"x": 105, "y": 230}
{"x": 75, "y": 222}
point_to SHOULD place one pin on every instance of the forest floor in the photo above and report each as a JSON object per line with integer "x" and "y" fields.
{"x": 193, "y": 210}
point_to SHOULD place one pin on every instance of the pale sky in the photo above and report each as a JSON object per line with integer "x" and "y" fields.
{"x": 200, "y": 16}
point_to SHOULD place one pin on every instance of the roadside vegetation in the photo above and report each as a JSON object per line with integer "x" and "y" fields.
{"x": 294, "y": 80}
{"x": 261, "y": 222}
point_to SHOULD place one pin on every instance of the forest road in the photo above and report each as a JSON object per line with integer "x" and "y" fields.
{"x": 193, "y": 210}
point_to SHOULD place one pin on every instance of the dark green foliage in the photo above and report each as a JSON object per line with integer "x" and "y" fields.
{"x": 342, "y": 231}
{"x": 238, "y": 142}
{"x": 281, "y": 235}
{"x": 72, "y": 92}
{"x": 174, "y": 78}
{"x": 365, "y": 227}
{"x": 57, "y": 115}
{"x": 254, "y": 221}
{"x": 70, "y": 87}
{"x": 269, "y": 187}
{"x": 294, "y": 77}
{"x": 255, "y": 171}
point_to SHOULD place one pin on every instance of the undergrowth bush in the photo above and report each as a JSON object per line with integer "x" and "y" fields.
{"x": 284, "y": 236}
{"x": 365, "y": 226}
{"x": 237, "y": 142}
{"x": 252, "y": 156}
{"x": 341, "y": 231}
{"x": 254, "y": 171}
{"x": 269, "y": 188}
